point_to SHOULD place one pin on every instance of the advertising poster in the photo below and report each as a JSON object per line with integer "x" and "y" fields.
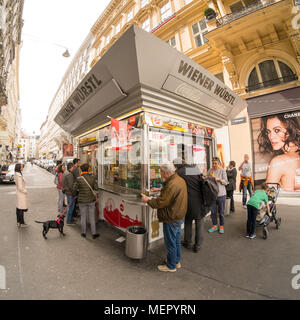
{"x": 276, "y": 148}
{"x": 68, "y": 150}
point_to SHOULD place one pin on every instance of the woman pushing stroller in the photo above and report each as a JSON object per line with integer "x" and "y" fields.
{"x": 253, "y": 207}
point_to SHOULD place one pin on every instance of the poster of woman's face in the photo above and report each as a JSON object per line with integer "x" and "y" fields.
{"x": 276, "y": 142}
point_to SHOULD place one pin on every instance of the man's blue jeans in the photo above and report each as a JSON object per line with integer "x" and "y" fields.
{"x": 172, "y": 232}
{"x": 245, "y": 188}
{"x": 71, "y": 204}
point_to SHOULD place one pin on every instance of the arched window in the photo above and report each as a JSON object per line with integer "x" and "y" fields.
{"x": 269, "y": 73}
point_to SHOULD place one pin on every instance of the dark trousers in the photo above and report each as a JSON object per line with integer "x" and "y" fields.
{"x": 230, "y": 195}
{"x": 172, "y": 231}
{"x": 20, "y": 216}
{"x": 251, "y": 222}
{"x": 220, "y": 203}
{"x": 188, "y": 231}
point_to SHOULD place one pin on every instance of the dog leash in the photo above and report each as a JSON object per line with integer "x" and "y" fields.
{"x": 67, "y": 207}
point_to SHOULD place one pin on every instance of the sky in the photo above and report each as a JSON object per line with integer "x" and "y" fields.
{"x": 49, "y": 24}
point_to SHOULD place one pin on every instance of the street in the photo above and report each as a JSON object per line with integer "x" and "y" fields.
{"x": 228, "y": 266}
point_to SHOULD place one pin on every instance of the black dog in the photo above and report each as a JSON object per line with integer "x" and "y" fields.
{"x": 53, "y": 224}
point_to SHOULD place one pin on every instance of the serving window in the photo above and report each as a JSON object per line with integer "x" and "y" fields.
{"x": 167, "y": 146}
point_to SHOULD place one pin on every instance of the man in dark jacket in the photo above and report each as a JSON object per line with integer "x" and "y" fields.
{"x": 171, "y": 208}
{"x": 86, "y": 185}
{"x": 67, "y": 188}
{"x": 196, "y": 211}
{"x": 231, "y": 177}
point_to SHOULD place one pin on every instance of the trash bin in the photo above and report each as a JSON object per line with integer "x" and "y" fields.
{"x": 227, "y": 207}
{"x": 136, "y": 242}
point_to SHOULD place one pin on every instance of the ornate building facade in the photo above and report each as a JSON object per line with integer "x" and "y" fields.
{"x": 253, "y": 46}
{"x": 10, "y": 42}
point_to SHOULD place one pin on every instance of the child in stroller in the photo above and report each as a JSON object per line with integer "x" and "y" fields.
{"x": 253, "y": 207}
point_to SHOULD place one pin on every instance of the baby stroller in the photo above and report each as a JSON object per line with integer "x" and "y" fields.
{"x": 273, "y": 193}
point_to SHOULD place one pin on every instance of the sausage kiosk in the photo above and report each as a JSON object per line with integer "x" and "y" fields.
{"x": 141, "y": 105}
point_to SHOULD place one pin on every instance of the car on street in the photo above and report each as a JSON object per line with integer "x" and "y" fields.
{"x": 7, "y": 174}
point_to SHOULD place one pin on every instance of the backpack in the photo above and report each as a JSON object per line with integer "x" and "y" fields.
{"x": 210, "y": 190}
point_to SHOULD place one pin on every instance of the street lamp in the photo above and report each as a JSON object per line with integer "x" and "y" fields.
{"x": 66, "y": 53}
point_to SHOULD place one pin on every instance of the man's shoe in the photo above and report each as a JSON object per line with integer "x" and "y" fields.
{"x": 247, "y": 235}
{"x": 18, "y": 224}
{"x": 213, "y": 229}
{"x": 70, "y": 223}
{"x": 186, "y": 245}
{"x": 196, "y": 249}
{"x": 165, "y": 268}
{"x": 221, "y": 230}
{"x": 252, "y": 236}
{"x": 178, "y": 265}
{"x": 83, "y": 235}
{"x": 97, "y": 235}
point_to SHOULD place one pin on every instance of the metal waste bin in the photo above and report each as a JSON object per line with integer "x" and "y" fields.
{"x": 227, "y": 207}
{"x": 136, "y": 242}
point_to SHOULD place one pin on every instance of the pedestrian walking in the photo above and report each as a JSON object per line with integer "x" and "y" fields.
{"x": 195, "y": 211}
{"x": 253, "y": 206}
{"x": 171, "y": 207}
{"x": 246, "y": 179}
{"x": 67, "y": 188}
{"x": 61, "y": 196}
{"x": 86, "y": 185}
{"x": 220, "y": 176}
{"x": 231, "y": 186}
{"x": 21, "y": 192}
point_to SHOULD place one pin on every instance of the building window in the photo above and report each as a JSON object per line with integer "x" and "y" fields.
{"x": 269, "y": 73}
{"x": 220, "y": 76}
{"x": 241, "y": 5}
{"x": 129, "y": 15}
{"x": 146, "y": 25}
{"x": 172, "y": 42}
{"x": 107, "y": 40}
{"x": 144, "y": 2}
{"x": 165, "y": 11}
{"x": 199, "y": 30}
{"x": 118, "y": 28}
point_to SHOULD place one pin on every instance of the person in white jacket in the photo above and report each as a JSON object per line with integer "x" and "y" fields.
{"x": 21, "y": 192}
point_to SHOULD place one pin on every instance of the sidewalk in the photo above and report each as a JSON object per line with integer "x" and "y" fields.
{"x": 229, "y": 266}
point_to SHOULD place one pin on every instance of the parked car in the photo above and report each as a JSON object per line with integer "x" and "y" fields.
{"x": 51, "y": 165}
{"x": 7, "y": 174}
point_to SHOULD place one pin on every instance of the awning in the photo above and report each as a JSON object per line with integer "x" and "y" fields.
{"x": 274, "y": 103}
{"x": 142, "y": 71}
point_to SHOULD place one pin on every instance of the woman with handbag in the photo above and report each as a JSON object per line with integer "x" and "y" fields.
{"x": 21, "y": 192}
{"x": 86, "y": 185}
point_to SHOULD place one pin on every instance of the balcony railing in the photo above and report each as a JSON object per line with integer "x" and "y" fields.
{"x": 249, "y": 9}
{"x": 271, "y": 83}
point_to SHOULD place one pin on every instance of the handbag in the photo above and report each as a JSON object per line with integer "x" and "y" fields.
{"x": 93, "y": 191}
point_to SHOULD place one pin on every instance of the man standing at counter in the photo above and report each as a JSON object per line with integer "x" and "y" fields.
{"x": 171, "y": 208}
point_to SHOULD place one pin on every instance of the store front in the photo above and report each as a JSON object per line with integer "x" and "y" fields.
{"x": 275, "y": 128}
{"x": 142, "y": 105}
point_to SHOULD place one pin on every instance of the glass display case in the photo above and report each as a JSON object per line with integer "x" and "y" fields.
{"x": 167, "y": 146}
{"x": 122, "y": 162}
